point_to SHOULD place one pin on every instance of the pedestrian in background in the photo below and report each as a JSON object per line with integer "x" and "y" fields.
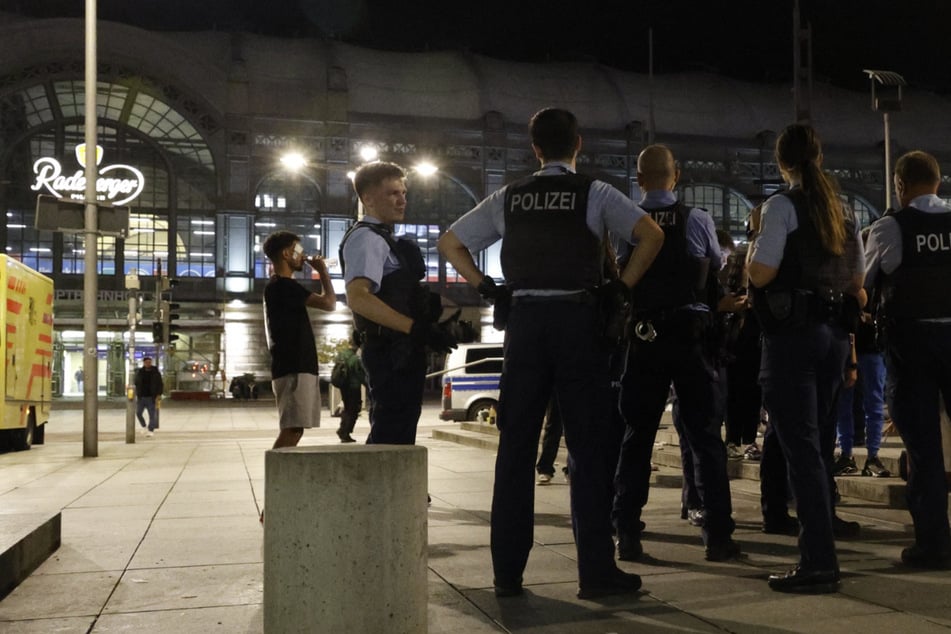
{"x": 351, "y": 382}
{"x": 806, "y": 269}
{"x": 148, "y": 393}
{"x": 909, "y": 256}
{"x": 553, "y": 225}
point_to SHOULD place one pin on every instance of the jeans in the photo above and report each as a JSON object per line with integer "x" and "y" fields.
{"x": 147, "y": 404}
{"x": 872, "y": 375}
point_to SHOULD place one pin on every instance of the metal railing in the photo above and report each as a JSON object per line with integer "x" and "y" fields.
{"x": 463, "y": 366}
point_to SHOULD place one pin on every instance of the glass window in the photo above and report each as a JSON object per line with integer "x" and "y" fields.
{"x": 196, "y": 244}
{"x": 426, "y": 237}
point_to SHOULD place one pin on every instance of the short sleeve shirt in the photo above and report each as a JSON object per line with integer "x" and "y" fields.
{"x": 290, "y": 337}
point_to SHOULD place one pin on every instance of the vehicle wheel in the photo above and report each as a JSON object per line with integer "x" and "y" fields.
{"x": 481, "y": 410}
{"x": 39, "y": 434}
{"x": 23, "y": 438}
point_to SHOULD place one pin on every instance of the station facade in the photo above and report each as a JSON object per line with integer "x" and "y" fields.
{"x": 193, "y": 128}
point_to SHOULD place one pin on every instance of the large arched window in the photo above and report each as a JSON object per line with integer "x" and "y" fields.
{"x": 45, "y": 123}
{"x": 433, "y": 203}
{"x": 289, "y": 201}
{"x": 728, "y": 207}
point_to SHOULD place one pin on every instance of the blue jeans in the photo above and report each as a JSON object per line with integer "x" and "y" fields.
{"x": 872, "y": 375}
{"x": 147, "y": 404}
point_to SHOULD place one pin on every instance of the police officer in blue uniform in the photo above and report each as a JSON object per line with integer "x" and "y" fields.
{"x": 553, "y": 226}
{"x": 395, "y": 314}
{"x": 909, "y": 255}
{"x": 673, "y": 343}
{"x": 806, "y": 269}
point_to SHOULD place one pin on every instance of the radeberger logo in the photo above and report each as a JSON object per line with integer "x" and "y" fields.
{"x": 117, "y": 184}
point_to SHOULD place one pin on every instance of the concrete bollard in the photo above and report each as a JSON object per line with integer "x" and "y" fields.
{"x": 345, "y": 541}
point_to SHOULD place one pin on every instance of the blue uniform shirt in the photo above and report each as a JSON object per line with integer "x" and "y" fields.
{"x": 368, "y": 255}
{"x": 608, "y": 211}
{"x": 883, "y": 248}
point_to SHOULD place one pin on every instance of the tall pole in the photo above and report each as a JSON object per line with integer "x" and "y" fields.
{"x": 90, "y": 281}
{"x": 888, "y": 163}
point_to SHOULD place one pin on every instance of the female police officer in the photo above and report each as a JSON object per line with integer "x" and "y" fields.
{"x": 806, "y": 267}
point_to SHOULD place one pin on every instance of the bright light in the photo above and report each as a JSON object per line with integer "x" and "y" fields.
{"x": 351, "y": 174}
{"x": 369, "y": 153}
{"x": 426, "y": 169}
{"x": 294, "y": 161}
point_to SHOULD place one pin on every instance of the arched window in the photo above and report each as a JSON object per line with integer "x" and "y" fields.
{"x": 728, "y": 207}
{"x": 289, "y": 201}
{"x": 433, "y": 203}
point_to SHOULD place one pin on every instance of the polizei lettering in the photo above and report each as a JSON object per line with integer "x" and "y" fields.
{"x": 664, "y": 218}
{"x": 933, "y": 242}
{"x": 543, "y": 201}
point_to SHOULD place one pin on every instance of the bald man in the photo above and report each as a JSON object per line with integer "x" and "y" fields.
{"x": 672, "y": 321}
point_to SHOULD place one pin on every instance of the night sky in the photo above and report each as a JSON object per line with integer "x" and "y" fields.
{"x": 745, "y": 39}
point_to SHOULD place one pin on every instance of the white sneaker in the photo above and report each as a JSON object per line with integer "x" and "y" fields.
{"x": 733, "y": 452}
{"x": 143, "y": 431}
{"x": 149, "y": 434}
{"x": 544, "y": 478}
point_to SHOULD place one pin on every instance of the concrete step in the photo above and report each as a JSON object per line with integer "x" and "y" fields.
{"x": 486, "y": 436}
{"x": 889, "y": 491}
{"x": 26, "y": 540}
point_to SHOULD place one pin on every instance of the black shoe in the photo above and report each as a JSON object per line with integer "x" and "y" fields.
{"x": 617, "y": 582}
{"x": 924, "y": 558}
{"x": 629, "y": 548}
{"x": 842, "y": 529}
{"x": 844, "y": 465}
{"x": 782, "y": 525}
{"x": 508, "y": 588}
{"x": 345, "y": 437}
{"x": 903, "y": 465}
{"x": 722, "y": 551}
{"x": 874, "y": 467}
{"x": 696, "y": 517}
{"x": 807, "y": 581}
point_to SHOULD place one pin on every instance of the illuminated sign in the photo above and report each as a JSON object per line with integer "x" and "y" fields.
{"x": 116, "y": 184}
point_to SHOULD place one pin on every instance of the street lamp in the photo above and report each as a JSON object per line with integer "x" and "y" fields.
{"x": 892, "y": 84}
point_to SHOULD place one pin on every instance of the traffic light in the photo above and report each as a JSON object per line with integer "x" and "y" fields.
{"x": 158, "y": 331}
{"x": 169, "y": 321}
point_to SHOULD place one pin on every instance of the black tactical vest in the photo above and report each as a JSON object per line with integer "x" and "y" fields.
{"x": 401, "y": 289}
{"x": 547, "y": 242}
{"x": 918, "y": 288}
{"x": 672, "y": 281}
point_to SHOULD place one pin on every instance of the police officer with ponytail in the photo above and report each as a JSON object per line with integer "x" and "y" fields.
{"x": 553, "y": 226}
{"x": 908, "y": 256}
{"x": 806, "y": 269}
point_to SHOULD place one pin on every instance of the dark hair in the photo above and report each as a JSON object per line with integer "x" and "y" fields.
{"x": 917, "y": 168}
{"x": 372, "y": 174}
{"x": 277, "y": 242}
{"x": 798, "y": 149}
{"x": 555, "y": 132}
{"x": 144, "y": 359}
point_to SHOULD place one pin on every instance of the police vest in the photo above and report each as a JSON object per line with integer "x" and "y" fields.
{"x": 401, "y": 289}
{"x": 810, "y": 283}
{"x": 547, "y": 242}
{"x": 918, "y": 288}
{"x": 674, "y": 278}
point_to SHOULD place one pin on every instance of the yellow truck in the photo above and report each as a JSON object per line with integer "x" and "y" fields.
{"x": 26, "y": 335}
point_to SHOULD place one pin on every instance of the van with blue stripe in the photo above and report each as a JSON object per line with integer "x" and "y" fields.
{"x": 470, "y": 384}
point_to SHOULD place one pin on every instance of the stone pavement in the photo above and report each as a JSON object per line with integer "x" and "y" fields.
{"x": 162, "y": 535}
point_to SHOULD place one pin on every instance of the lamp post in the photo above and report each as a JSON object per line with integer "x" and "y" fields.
{"x": 90, "y": 281}
{"x": 891, "y": 102}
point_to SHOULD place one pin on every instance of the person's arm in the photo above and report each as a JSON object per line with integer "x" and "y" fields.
{"x": 759, "y": 274}
{"x": 326, "y": 299}
{"x": 363, "y": 302}
{"x": 461, "y": 259}
{"x": 649, "y": 238}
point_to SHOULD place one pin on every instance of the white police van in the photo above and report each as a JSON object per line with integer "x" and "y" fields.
{"x": 470, "y": 383}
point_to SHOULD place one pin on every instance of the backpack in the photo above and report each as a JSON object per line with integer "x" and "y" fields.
{"x": 338, "y": 376}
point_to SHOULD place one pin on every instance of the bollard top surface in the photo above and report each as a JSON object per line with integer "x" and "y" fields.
{"x": 350, "y": 448}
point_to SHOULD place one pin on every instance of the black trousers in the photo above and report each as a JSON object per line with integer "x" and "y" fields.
{"x": 552, "y": 348}
{"x": 352, "y": 404}
{"x": 396, "y": 373}
{"x": 677, "y": 356}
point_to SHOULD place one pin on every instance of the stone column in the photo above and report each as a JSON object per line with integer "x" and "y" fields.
{"x": 345, "y": 542}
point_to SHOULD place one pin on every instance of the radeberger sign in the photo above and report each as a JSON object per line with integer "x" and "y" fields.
{"x": 117, "y": 184}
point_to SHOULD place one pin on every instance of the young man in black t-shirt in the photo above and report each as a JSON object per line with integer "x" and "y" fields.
{"x": 290, "y": 337}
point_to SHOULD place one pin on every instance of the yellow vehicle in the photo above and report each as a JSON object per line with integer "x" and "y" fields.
{"x": 26, "y": 335}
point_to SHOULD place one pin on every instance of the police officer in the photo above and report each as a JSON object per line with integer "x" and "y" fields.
{"x": 553, "y": 225}
{"x": 395, "y": 314}
{"x": 673, "y": 343}
{"x": 909, "y": 255}
{"x": 806, "y": 269}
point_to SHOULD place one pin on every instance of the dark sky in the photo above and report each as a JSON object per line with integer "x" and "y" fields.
{"x": 746, "y": 39}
